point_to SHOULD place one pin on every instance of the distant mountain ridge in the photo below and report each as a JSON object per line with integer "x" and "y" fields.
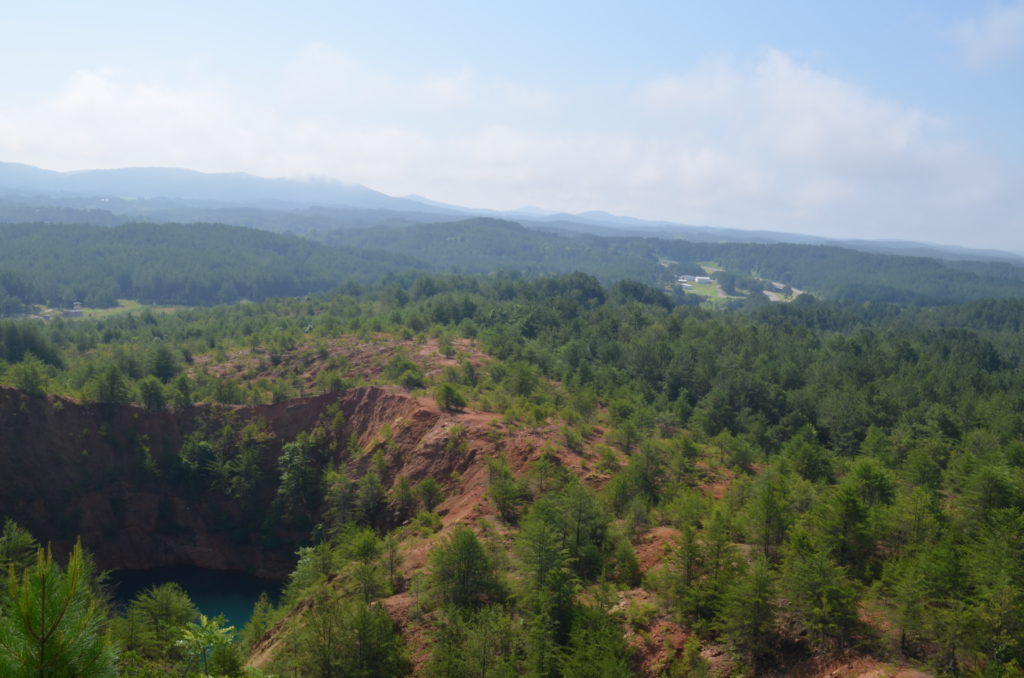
{"x": 305, "y": 206}
{"x": 182, "y": 184}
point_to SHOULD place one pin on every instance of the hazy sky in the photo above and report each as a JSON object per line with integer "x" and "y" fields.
{"x": 855, "y": 119}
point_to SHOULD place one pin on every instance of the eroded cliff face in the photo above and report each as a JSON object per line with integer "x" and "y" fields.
{"x": 112, "y": 475}
{"x": 109, "y": 476}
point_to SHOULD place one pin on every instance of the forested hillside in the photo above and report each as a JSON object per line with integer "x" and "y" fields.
{"x": 191, "y": 264}
{"x": 840, "y": 273}
{"x": 112, "y": 211}
{"x": 483, "y": 245}
{"x": 57, "y": 264}
{"x": 552, "y": 477}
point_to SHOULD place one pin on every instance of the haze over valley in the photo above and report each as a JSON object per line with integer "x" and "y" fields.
{"x": 557, "y": 341}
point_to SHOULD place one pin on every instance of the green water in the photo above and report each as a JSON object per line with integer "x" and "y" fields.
{"x": 213, "y": 591}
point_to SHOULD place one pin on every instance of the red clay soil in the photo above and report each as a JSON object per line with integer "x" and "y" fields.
{"x": 850, "y": 667}
{"x": 106, "y": 474}
{"x": 77, "y": 469}
{"x": 417, "y": 439}
{"x": 74, "y": 468}
{"x": 400, "y": 608}
{"x": 362, "y": 359}
{"x": 264, "y": 650}
{"x": 654, "y": 638}
{"x": 654, "y": 546}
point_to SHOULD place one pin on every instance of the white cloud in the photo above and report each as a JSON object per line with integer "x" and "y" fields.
{"x": 446, "y": 91}
{"x": 993, "y": 37}
{"x": 706, "y": 87}
{"x": 766, "y": 144}
{"x": 796, "y": 149}
{"x": 98, "y": 121}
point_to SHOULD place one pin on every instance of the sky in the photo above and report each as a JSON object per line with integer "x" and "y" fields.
{"x": 865, "y": 119}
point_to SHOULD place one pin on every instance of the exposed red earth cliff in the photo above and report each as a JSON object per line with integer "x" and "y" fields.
{"x": 104, "y": 474}
{"x": 69, "y": 469}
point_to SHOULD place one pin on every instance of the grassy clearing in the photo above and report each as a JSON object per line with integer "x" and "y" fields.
{"x": 712, "y": 293}
{"x": 707, "y": 291}
{"x": 127, "y": 306}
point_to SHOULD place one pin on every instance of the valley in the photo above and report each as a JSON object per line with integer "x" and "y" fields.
{"x": 533, "y": 340}
{"x": 628, "y": 464}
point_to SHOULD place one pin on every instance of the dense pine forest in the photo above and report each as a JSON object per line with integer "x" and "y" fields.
{"x": 202, "y": 264}
{"x": 484, "y": 245}
{"x": 550, "y": 340}
{"x": 546, "y": 476}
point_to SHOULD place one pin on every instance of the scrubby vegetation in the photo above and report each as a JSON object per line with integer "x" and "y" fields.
{"x": 783, "y": 482}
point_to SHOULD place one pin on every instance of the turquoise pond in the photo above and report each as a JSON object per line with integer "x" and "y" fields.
{"x": 213, "y": 591}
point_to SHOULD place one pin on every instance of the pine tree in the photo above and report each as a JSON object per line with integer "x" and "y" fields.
{"x": 597, "y": 648}
{"x": 768, "y": 512}
{"x": 460, "y": 570}
{"x": 51, "y": 624}
{"x": 162, "y": 363}
{"x": 345, "y": 639}
{"x": 449, "y": 398}
{"x": 821, "y": 596}
{"x": 17, "y": 547}
{"x": 152, "y": 394}
{"x": 30, "y": 376}
{"x": 747, "y": 619}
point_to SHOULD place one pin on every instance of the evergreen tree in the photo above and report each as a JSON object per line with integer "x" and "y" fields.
{"x": 596, "y": 648}
{"x": 30, "y": 376}
{"x": 461, "y": 573}
{"x": 821, "y": 597}
{"x": 259, "y": 622}
{"x": 747, "y": 620}
{"x": 152, "y": 394}
{"x": 299, "y": 491}
{"x": 550, "y": 586}
{"x": 402, "y": 501}
{"x": 110, "y": 386}
{"x": 449, "y": 398}
{"x": 17, "y": 548}
{"x": 489, "y": 643}
{"x": 344, "y": 639}
{"x": 767, "y": 512}
{"x": 52, "y": 625}
{"x": 429, "y": 493}
{"x": 507, "y": 493}
{"x": 162, "y": 363}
